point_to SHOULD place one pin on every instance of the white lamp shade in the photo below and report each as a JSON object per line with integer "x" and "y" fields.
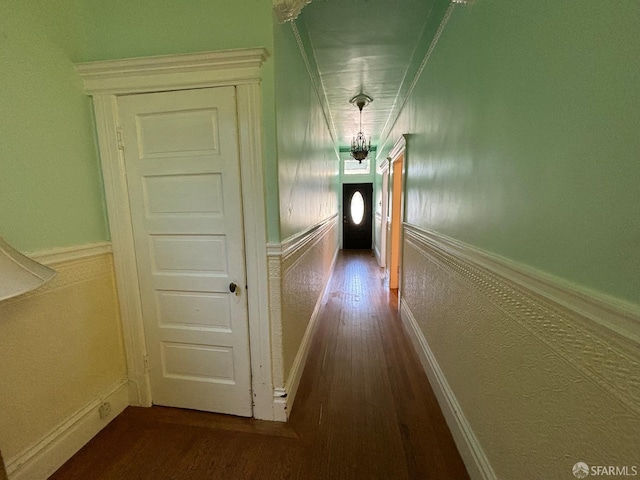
{"x": 20, "y": 274}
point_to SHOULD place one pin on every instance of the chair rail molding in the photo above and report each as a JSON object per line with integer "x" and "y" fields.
{"x": 609, "y": 313}
{"x": 241, "y": 68}
{"x": 542, "y": 348}
{"x": 67, "y": 254}
{"x": 299, "y": 241}
{"x": 598, "y": 338}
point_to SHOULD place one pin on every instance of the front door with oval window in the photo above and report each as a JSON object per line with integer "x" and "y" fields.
{"x": 356, "y": 215}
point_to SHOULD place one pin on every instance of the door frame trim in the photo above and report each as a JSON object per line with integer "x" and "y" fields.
{"x": 381, "y": 252}
{"x": 107, "y": 80}
{"x": 398, "y": 151}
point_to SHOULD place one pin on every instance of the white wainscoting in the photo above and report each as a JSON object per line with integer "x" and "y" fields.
{"x": 79, "y": 267}
{"x": 530, "y": 372}
{"x": 468, "y": 445}
{"x": 43, "y": 458}
{"x": 313, "y": 251}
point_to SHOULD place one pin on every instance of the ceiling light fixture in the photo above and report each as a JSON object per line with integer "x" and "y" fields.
{"x": 360, "y": 147}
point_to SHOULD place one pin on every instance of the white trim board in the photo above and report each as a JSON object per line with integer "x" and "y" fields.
{"x": 319, "y": 90}
{"x": 597, "y": 340}
{"x": 291, "y": 245}
{"x": 394, "y": 114}
{"x": 242, "y": 69}
{"x": 249, "y": 101}
{"x": 565, "y": 318}
{"x": 612, "y": 313}
{"x": 398, "y": 149}
{"x": 68, "y": 254}
{"x": 378, "y": 256}
{"x": 471, "y": 451}
{"x": 42, "y": 459}
{"x": 172, "y": 72}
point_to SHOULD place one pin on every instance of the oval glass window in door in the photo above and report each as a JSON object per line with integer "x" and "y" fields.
{"x": 356, "y": 208}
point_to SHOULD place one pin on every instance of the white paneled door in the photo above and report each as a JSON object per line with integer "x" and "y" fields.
{"x": 183, "y": 177}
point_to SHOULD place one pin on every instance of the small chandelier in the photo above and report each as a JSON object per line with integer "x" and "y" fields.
{"x": 360, "y": 147}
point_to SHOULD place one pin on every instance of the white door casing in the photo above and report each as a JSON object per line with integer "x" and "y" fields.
{"x": 106, "y": 81}
{"x": 183, "y": 176}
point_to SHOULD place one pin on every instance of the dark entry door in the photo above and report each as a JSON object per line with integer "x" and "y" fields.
{"x": 356, "y": 215}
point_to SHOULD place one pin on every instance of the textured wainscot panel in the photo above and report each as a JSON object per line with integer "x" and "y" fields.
{"x": 60, "y": 349}
{"x": 305, "y": 274}
{"x": 540, "y": 386}
{"x": 299, "y": 270}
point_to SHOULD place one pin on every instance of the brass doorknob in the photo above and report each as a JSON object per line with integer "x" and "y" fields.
{"x": 233, "y": 287}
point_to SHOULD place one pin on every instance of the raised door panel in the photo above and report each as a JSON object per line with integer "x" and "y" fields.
{"x": 183, "y": 176}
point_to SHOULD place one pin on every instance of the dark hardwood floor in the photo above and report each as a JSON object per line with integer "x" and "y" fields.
{"x": 364, "y": 410}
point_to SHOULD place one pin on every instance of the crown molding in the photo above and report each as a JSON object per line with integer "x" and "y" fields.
{"x": 288, "y": 10}
{"x": 318, "y": 87}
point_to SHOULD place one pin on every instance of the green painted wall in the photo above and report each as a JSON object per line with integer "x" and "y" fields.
{"x": 53, "y": 195}
{"x": 121, "y": 29}
{"x": 308, "y": 169}
{"x": 526, "y": 141}
{"x": 50, "y": 188}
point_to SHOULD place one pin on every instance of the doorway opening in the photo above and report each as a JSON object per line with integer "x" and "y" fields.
{"x": 393, "y": 206}
{"x": 357, "y": 199}
{"x": 381, "y": 253}
{"x": 110, "y": 82}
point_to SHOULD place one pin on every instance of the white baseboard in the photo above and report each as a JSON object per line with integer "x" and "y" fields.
{"x": 140, "y": 389}
{"x": 280, "y": 412}
{"x": 42, "y": 459}
{"x": 293, "y": 381}
{"x": 376, "y": 251}
{"x": 469, "y": 447}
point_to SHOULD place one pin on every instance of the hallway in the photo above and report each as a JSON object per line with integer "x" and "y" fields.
{"x": 364, "y": 410}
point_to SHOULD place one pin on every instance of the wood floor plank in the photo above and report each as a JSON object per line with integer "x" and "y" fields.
{"x": 364, "y": 410}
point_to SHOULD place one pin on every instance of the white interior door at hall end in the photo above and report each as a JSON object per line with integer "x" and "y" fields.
{"x": 183, "y": 176}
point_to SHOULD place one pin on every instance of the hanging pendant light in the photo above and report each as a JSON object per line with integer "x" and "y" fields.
{"x": 360, "y": 146}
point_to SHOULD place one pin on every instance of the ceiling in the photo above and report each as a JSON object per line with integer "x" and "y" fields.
{"x": 366, "y": 46}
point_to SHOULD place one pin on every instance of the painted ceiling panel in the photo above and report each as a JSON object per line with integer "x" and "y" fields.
{"x": 365, "y": 46}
